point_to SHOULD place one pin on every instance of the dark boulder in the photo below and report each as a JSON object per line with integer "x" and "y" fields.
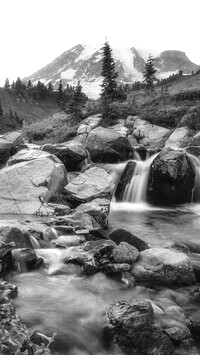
{"x": 194, "y": 325}
{"x": 125, "y": 180}
{"x": 108, "y": 146}
{"x": 13, "y": 234}
{"x": 132, "y": 326}
{"x": 171, "y": 179}
{"x": 121, "y": 235}
{"x": 71, "y": 153}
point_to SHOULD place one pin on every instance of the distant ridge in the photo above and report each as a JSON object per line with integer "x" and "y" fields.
{"x": 83, "y": 62}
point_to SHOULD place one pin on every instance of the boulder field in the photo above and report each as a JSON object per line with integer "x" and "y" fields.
{"x": 59, "y": 195}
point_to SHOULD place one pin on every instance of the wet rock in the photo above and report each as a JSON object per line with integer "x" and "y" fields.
{"x": 99, "y": 234}
{"x": 121, "y": 235}
{"x": 179, "y": 138}
{"x": 13, "y": 234}
{"x": 7, "y": 290}
{"x": 82, "y": 223}
{"x": 132, "y": 326}
{"x": 164, "y": 266}
{"x": 125, "y": 253}
{"x": 90, "y": 267}
{"x": 128, "y": 279}
{"x": 26, "y": 260}
{"x": 178, "y": 246}
{"x": 128, "y": 321}
{"x": 96, "y": 245}
{"x": 98, "y": 208}
{"x": 194, "y": 325}
{"x": 5, "y": 257}
{"x": 93, "y": 183}
{"x": 107, "y": 146}
{"x": 125, "y": 180}
{"x": 116, "y": 268}
{"x": 68, "y": 240}
{"x": 171, "y": 179}
{"x": 178, "y": 334}
{"x": 147, "y": 133}
{"x": 71, "y": 153}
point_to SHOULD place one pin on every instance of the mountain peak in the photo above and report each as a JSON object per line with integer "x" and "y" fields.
{"x": 83, "y": 62}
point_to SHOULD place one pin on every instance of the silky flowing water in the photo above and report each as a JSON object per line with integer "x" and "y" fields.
{"x": 60, "y": 299}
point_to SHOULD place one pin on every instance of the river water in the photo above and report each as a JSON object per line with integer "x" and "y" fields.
{"x": 60, "y": 299}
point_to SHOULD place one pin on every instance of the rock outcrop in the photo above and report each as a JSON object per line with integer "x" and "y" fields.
{"x": 93, "y": 183}
{"x": 71, "y": 153}
{"x": 171, "y": 179}
{"x": 26, "y": 186}
{"x": 163, "y": 265}
{"x": 108, "y": 146}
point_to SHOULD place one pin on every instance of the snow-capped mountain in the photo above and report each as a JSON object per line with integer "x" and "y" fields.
{"x": 83, "y": 62}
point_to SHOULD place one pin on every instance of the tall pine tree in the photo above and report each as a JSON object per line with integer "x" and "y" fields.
{"x": 78, "y": 102}
{"x": 109, "y": 91}
{"x": 149, "y": 74}
{"x": 109, "y": 85}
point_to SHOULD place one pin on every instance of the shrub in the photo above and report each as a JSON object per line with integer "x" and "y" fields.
{"x": 168, "y": 117}
{"x": 56, "y": 129}
{"x": 192, "y": 118}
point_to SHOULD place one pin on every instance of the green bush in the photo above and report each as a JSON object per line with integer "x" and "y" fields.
{"x": 56, "y": 129}
{"x": 118, "y": 110}
{"x": 167, "y": 117}
{"x": 192, "y": 118}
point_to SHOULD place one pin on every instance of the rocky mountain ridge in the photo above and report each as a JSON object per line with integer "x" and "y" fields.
{"x": 83, "y": 62}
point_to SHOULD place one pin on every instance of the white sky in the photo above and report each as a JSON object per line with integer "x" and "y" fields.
{"x": 34, "y": 32}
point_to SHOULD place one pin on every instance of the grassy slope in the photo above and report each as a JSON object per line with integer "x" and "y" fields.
{"x": 27, "y": 109}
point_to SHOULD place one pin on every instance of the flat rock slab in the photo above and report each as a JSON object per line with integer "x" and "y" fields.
{"x": 24, "y": 186}
{"x": 163, "y": 265}
{"x": 93, "y": 183}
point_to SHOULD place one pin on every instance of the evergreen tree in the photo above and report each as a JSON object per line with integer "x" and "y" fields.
{"x": 109, "y": 85}
{"x": 149, "y": 74}
{"x": 60, "y": 98}
{"x": 78, "y": 102}
{"x": 1, "y": 111}
{"x": 7, "y": 84}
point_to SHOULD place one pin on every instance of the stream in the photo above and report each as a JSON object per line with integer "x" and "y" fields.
{"x": 60, "y": 299}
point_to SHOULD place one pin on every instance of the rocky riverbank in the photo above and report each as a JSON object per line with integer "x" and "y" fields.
{"x": 58, "y": 196}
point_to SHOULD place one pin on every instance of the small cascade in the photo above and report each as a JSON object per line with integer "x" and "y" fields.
{"x": 137, "y": 188}
{"x": 196, "y": 190}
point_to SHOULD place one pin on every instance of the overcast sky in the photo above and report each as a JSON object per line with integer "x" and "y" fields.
{"x": 34, "y": 32}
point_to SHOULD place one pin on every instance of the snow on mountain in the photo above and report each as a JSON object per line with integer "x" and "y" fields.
{"x": 83, "y": 63}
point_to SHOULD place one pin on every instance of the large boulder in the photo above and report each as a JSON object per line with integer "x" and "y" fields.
{"x": 132, "y": 326}
{"x": 149, "y": 134}
{"x": 98, "y": 208}
{"x": 125, "y": 253}
{"x": 28, "y": 155}
{"x": 71, "y": 153}
{"x": 15, "y": 235}
{"x": 171, "y": 179}
{"x": 164, "y": 266}
{"x": 121, "y": 235}
{"x": 108, "y": 146}
{"x": 8, "y": 145}
{"x": 26, "y": 186}
{"x": 179, "y": 138}
{"x": 93, "y": 183}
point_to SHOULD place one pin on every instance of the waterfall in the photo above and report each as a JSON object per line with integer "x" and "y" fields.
{"x": 196, "y": 190}
{"x": 136, "y": 190}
